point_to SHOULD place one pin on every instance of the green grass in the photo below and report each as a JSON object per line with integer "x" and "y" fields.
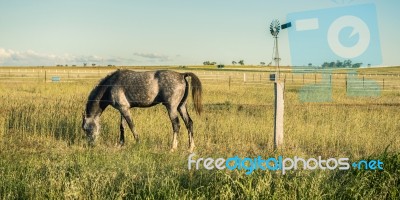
{"x": 43, "y": 153}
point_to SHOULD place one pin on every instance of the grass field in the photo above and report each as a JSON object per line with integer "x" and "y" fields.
{"x": 43, "y": 153}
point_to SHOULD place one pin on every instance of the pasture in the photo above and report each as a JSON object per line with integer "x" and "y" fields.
{"x": 44, "y": 155}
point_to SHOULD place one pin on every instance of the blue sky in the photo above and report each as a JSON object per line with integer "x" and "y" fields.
{"x": 169, "y": 32}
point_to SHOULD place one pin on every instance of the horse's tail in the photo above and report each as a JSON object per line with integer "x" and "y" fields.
{"x": 196, "y": 91}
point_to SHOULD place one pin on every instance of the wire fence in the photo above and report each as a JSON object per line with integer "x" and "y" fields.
{"x": 385, "y": 82}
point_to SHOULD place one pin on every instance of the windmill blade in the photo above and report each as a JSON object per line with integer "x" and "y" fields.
{"x": 274, "y": 27}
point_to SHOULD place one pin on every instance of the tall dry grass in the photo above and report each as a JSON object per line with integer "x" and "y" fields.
{"x": 43, "y": 151}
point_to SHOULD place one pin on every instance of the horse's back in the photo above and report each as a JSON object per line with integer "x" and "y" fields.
{"x": 172, "y": 86}
{"x": 142, "y": 89}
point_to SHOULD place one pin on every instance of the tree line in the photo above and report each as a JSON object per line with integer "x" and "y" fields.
{"x": 240, "y": 62}
{"x": 340, "y": 64}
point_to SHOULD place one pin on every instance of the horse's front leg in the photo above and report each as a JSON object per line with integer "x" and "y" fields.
{"x": 125, "y": 115}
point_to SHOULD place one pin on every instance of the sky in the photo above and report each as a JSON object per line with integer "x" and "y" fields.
{"x": 174, "y": 32}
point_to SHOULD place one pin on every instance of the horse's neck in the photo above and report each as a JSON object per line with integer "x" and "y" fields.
{"x": 95, "y": 106}
{"x": 93, "y": 109}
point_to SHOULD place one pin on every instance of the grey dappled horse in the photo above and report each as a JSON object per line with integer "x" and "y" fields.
{"x": 124, "y": 89}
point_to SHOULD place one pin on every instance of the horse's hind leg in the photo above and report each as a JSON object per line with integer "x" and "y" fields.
{"x": 122, "y": 132}
{"x": 189, "y": 125}
{"x": 127, "y": 116}
{"x": 173, "y": 115}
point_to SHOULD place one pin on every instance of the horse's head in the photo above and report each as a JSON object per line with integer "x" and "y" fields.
{"x": 91, "y": 127}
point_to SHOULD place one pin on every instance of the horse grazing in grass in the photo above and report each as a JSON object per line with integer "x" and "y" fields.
{"x": 124, "y": 89}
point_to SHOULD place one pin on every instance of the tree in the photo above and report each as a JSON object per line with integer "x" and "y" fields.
{"x": 209, "y": 63}
{"x": 93, "y": 64}
{"x": 347, "y": 63}
{"x": 234, "y": 62}
{"x": 241, "y": 62}
{"x": 262, "y": 63}
{"x": 356, "y": 65}
{"x": 332, "y": 64}
{"x": 339, "y": 63}
{"x": 310, "y": 64}
{"x": 325, "y": 65}
{"x": 84, "y": 64}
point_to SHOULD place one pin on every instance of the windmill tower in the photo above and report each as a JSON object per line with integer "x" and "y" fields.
{"x": 274, "y": 28}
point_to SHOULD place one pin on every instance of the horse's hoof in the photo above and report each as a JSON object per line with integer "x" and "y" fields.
{"x": 191, "y": 149}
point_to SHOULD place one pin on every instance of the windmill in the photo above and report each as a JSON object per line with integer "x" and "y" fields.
{"x": 274, "y": 28}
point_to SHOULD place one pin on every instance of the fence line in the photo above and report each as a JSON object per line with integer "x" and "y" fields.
{"x": 386, "y": 81}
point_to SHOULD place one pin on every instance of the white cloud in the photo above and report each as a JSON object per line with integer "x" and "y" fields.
{"x": 153, "y": 56}
{"x": 9, "y": 57}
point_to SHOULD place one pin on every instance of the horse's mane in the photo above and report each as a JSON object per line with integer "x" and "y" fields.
{"x": 98, "y": 91}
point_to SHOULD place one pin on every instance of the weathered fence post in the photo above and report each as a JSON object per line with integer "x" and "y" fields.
{"x": 229, "y": 82}
{"x": 279, "y": 110}
{"x": 315, "y": 78}
{"x": 363, "y": 80}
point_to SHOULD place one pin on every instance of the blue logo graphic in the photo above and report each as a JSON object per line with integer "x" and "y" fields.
{"x": 335, "y": 34}
{"x": 368, "y": 165}
{"x": 332, "y": 34}
{"x": 319, "y": 92}
{"x": 280, "y": 163}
